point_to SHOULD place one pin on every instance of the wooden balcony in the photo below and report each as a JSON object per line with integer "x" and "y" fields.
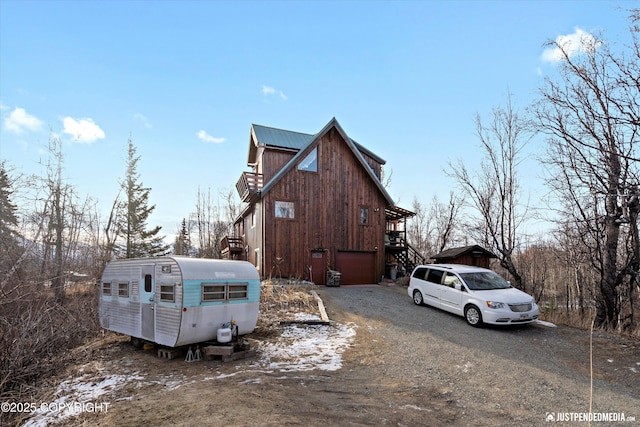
{"x": 249, "y": 185}
{"x": 232, "y": 247}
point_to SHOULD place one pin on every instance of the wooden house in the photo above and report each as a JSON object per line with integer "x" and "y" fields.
{"x": 314, "y": 203}
{"x": 469, "y": 255}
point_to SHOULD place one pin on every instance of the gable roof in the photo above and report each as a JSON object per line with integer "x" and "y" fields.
{"x": 456, "y": 252}
{"x": 289, "y": 140}
{"x": 333, "y": 123}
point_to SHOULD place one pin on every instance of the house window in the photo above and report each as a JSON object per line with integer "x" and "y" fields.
{"x": 364, "y": 216}
{"x": 213, "y": 292}
{"x": 285, "y": 210}
{"x": 310, "y": 163}
{"x": 167, "y": 293}
{"x": 123, "y": 289}
{"x": 106, "y": 288}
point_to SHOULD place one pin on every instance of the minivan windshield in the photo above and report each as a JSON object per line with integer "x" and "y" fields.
{"x": 484, "y": 281}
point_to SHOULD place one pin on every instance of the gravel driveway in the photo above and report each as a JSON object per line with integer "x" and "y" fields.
{"x": 524, "y": 375}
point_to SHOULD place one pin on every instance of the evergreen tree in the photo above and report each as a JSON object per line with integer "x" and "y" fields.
{"x": 9, "y": 248}
{"x": 8, "y": 218}
{"x": 183, "y": 240}
{"x": 133, "y": 214}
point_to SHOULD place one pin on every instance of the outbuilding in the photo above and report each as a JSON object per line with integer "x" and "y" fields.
{"x": 469, "y": 255}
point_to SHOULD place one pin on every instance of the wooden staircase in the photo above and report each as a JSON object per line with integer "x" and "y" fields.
{"x": 410, "y": 257}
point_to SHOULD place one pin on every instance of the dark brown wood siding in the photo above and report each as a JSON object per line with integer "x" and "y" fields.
{"x": 272, "y": 161}
{"x": 327, "y": 212}
{"x": 375, "y": 166}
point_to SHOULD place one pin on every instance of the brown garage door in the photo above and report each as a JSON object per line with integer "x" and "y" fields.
{"x": 357, "y": 268}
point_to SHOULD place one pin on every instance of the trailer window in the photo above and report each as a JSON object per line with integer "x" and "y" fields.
{"x": 123, "y": 289}
{"x": 106, "y": 288}
{"x": 213, "y": 292}
{"x": 238, "y": 291}
{"x": 167, "y": 293}
{"x": 147, "y": 283}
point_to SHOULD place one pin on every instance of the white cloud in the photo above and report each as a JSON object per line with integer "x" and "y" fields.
{"x": 268, "y": 91}
{"x": 142, "y": 119}
{"x": 573, "y": 44}
{"x": 82, "y": 130}
{"x": 204, "y": 136}
{"x": 19, "y": 121}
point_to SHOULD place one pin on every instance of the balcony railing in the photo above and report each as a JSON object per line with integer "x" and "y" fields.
{"x": 249, "y": 185}
{"x": 232, "y": 247}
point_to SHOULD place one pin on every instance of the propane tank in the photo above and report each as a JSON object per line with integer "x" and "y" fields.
{"x": 224, "y": 334}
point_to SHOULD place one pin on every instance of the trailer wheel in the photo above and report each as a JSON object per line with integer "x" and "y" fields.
{"x": 137, "y": 343}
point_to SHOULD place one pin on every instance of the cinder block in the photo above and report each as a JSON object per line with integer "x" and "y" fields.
{"x": 168, "y": 353}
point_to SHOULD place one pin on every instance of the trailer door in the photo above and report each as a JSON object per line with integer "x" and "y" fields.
{"x": 147, "y": 302}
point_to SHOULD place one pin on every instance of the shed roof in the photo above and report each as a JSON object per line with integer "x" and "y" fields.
{"x": 456, "y": 252}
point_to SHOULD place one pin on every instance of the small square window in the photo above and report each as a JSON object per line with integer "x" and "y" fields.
{"x": 123, "y": 289}
{"x": 285, "y": 210}
{"x": 106, "y": 288}
{"x": 167, "y": 293}
{"x": 238, "y": 291}
{"x": 213, "y": 292}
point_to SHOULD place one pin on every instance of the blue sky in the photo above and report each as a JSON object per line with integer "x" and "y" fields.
{"x": 185, "y": 80}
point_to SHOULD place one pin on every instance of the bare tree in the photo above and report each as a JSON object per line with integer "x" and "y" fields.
{"x": 210, "y": 223}
{"x": 494, "y": 192}
{"x": 434, "y": 227}
{"x": 446, "y": 220}
{"x": 591, "y": 117}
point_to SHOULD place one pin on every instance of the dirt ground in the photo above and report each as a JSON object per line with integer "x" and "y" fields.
{"x": 212, "y": 392}
{"x": 157, "y": 391}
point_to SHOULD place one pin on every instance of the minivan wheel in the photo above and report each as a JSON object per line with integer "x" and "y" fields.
{"x": 473, "y": 315}
{"x": 417, "y": 297}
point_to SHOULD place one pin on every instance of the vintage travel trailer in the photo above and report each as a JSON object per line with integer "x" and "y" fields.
{"x": 175, "y": 301}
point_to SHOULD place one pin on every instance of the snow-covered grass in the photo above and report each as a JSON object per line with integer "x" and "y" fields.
{"x": 307, "y": 347}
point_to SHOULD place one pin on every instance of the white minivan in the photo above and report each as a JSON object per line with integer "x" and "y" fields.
{"x": 478, "y": 294}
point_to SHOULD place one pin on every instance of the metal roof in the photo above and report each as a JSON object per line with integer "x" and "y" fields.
{"x": 291, "y": 140}
{"x": 281, "y": 138}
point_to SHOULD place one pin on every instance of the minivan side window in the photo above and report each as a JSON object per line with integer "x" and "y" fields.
{"x": 420, "y": 273}
{"x": 435, "y": 276}
{"x": 451, "y": 280}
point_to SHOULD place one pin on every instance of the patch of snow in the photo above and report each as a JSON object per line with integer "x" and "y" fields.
{"x": 610, "y": 360}
{"x": 417, "y": 408}
{"x": 306, "y": 348}
{"x": 85, "y": 391}
{"x": 543, "y": 323}
{"x": 634, "y": 370}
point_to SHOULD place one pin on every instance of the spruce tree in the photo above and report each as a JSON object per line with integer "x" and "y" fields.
{"x": 133, "y": 214}
{"x": 8, "y": 218}
{"x": 183, "y": 240}
{"x": 9, "y": 248}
